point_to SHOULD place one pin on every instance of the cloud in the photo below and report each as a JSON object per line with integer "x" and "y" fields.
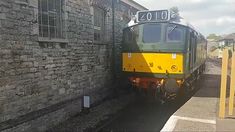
{"x": 209, "y": 16}
{"x": 188, "y": 1}
{"x": 228, "y": 30}
{"x": 225, "y": 20}
{"x": 230, "y": 1}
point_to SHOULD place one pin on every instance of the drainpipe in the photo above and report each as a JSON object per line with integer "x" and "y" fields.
{"x": 113, "y": 40}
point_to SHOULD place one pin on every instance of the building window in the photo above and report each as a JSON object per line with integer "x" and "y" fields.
{"x": 50, "y": 18}
{"x": 99, "y": 24}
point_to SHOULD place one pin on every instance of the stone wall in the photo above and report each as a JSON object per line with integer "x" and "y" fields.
{"x": 42, "y": 82}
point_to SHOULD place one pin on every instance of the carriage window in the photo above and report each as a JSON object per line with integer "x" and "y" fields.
{"x": 174, "y": 33}
{"x": 152, "y": 33}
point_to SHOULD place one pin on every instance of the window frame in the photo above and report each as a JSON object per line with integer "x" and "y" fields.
{"x": 181, "y": 30}
{"x": 61, "y": 37}
{"x": 160, "y": 38}
{"x": 102, "y": 26}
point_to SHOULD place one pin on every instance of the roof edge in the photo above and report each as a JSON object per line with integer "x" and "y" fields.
{"x": 137, "y": 4}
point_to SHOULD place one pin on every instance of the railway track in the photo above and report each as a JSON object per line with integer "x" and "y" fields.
{"x": 129, "y": 112}
{"x": 144, "y": 114}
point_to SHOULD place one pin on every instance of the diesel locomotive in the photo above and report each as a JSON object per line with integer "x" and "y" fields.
{"x": 162, "y": 53}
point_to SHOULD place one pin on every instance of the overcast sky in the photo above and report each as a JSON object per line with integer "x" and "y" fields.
{"x": 208, "y": 16}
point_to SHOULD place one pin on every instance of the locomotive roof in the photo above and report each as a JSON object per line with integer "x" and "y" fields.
{"x": 138, "y": 19}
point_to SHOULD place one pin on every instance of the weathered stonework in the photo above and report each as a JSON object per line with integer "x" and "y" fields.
{"x": 42, "y": 82}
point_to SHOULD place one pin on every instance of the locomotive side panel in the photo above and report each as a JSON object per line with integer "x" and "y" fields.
{"x": 197, "y": 51}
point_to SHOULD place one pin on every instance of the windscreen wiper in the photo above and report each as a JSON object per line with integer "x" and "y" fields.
{"x": 172, "y": 29}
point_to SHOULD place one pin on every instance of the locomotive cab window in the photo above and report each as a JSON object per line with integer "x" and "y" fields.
{"x": 174, "y": 33}
{"x": 152, "y": 33}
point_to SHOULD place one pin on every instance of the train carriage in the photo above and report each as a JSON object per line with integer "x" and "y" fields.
{"x": 162, "y": 52}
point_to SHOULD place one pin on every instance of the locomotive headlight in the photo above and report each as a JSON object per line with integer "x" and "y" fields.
{"x": 174, "y": 68}
{"x": 180, "y": 82}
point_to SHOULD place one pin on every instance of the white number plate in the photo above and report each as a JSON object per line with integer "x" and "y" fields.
{"x": 153, "y": 16}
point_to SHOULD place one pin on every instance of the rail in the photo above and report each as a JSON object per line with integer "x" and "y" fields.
{"x": 224, "y": 80}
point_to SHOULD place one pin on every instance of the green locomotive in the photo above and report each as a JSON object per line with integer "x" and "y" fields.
{"x": 162, "y": 52}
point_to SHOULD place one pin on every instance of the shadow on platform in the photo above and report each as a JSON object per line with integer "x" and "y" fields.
{"x": 208, "y": 86}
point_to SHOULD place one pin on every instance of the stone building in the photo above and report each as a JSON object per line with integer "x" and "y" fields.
{"x": 52, "y": 53}
{"x": 226, "y": 40}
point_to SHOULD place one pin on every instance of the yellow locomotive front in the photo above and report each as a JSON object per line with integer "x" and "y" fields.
{"x": 155, "y": 63}
{"x": 156, "y": 52}
{"x": 149, "y": 70}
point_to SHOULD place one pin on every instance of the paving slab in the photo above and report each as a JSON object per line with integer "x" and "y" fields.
{"x": 228, "y": 123}
{"x": 200, "y": 112}
{"x": 190, "y": 126}
{"x": 225, "y": 125}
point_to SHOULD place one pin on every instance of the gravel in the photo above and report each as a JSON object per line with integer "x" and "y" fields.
{"x": 94, "y": 117}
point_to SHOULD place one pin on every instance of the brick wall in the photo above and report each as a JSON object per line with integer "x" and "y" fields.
{"x": 42, "y": 82}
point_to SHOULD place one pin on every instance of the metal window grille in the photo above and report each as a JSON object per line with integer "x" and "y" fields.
{"x": 99, "y": 24}
{"x": 50, "y": 18}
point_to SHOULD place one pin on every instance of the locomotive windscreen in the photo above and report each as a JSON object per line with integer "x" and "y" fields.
{"x": 161, "y": 37}
{"x": 152, "y": 33}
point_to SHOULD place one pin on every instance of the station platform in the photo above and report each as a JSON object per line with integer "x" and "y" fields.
{"x": 200, "y": 113}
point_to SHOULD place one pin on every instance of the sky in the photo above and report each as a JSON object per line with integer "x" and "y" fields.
{"x": 207, "y": 16}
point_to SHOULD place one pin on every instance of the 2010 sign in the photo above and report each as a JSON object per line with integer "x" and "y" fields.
{"x": 153, "y": 16}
